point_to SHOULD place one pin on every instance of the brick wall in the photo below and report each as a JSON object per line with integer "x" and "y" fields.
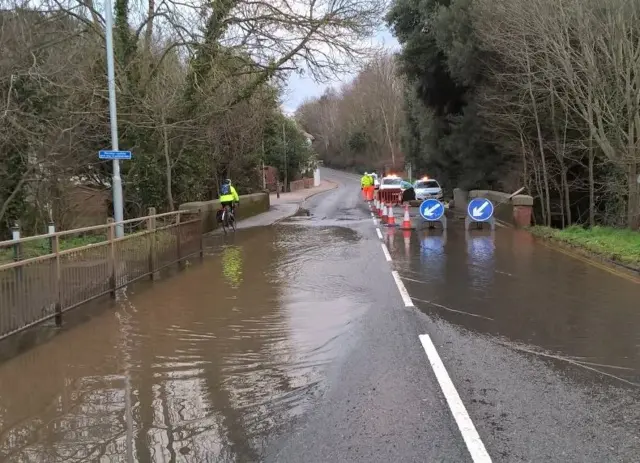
{"x": 271, "y": 177}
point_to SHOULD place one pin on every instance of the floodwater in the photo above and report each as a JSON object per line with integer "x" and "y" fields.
{"x": 531, "y": 297}
{"x": 201, "y": 367}
{"x": 217, "y": 360}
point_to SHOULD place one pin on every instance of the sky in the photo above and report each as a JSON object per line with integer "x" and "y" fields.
{"x": 301, "y": 88}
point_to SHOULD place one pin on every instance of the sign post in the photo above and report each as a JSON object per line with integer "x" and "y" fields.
{"x": 116, "y": 179}
{"x": 432, "y": 210}
{"x": 480, "y": 210}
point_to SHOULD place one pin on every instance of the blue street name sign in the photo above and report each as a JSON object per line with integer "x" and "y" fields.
{"x": 431, "y": 209}
{"x": 105, "y": 154}
{"x": 480, "y": 209}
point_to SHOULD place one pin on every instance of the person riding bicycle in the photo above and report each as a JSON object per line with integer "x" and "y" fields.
{"x": 228, "y": 195}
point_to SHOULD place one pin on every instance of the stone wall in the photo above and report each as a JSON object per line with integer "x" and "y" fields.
{"x": 296, "y": 185}
{"x": 515, "y": 211}
{"x": 250, "y": 205}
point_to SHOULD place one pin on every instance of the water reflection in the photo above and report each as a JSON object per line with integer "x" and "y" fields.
{"x": 530, "y": 294}
{"x": 433, "y": 252}
{"x": 217, "y": 358}
{"x": 232, "y": 265}
{"x": 480, "y": 258}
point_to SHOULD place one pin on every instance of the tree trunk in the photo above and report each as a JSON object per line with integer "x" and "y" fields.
{"x": 592, "y": 187}
{"x": 560, "y": 156}
{"x": 543, "y": 162}
{"x": 539, "y": 189}
{"x": 545, "y": 175}
{"x": 633, "y": 204}
{"x": 386, "y": 128}
{"x": 567, "y": 197}
{"x": 167, "y": 159}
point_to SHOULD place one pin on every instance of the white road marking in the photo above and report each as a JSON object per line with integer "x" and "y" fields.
{"x": 403, "y": 291}
{"x": 465, "y": 425}
{"x": 379, "y": 233}
{"x": 372, "y": 216}
{"x": 375, "y": 222}
{"x": 386, "y": 252}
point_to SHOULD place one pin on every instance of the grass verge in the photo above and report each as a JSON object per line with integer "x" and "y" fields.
{"x": 619, "y": 245}
{"x": 41, "y": 247}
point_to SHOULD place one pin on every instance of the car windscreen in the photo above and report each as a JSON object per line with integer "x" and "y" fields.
{"x": 427, "y": 184}
{"x": 392, "y": 181}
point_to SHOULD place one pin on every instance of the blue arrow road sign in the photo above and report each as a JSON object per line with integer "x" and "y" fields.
{"x": 105, "y": 154}
{"x": 480, "y": 209}
{"x": 431, "y": 209}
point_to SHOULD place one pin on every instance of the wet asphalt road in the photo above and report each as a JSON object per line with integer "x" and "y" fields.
{"x": 292, "y": 343}
{"x": 543, "y": 348}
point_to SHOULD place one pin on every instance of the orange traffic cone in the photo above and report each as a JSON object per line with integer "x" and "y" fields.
{"x": 406, "y": 221}
{"x": 381, "y": 210}
{"x": 391, "y": 220}
{"x": 384, "y": 214}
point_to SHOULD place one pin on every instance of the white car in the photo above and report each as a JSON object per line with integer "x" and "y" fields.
{"x": 427, "y": 188}
{"x": 391, "y": 182}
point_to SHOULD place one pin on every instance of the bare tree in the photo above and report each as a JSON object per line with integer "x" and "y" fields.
{"x": 581, "y": 57}
{"x": 360, "y": 125}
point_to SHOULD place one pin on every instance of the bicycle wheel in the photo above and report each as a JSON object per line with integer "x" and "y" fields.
{"x": 232, "y": 221}
{"x": 224, "y": 221}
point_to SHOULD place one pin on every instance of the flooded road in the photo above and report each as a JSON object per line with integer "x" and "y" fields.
{"x": 216, "y": 357}
{"x": 509, "y": 285}
{"x": 291, "y": 343}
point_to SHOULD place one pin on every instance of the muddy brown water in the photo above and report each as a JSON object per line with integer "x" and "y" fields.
{"x": 530, "y": 296}
{"x": 201, "y": 367}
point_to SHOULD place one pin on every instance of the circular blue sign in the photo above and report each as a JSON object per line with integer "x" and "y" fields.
{"x": 431, "y": 209}
{"x": 480, "y": 209}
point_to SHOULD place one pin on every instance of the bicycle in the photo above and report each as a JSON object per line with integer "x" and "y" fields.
{"x": 227, "y": 219}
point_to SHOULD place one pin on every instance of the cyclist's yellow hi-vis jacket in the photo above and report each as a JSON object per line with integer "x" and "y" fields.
{"x": 232, "y": 196}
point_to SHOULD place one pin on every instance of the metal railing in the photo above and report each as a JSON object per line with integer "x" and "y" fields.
{"x": 41, "y": 277}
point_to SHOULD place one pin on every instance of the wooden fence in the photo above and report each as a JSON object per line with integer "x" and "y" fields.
{"x": 41, "y": 277}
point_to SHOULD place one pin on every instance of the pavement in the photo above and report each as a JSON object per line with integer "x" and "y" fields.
{"x": 285, "y": 206}
{"x": 330, "y": 338}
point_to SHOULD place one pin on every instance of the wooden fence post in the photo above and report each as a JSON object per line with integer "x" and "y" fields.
{"x": 153, "y": 243}
{"x": 17, "y": 247}
{"x": 17, "y": 250}
{"x": 51, "y": 229}
{"x": 112, "y": 268}
{"x": 179, "y": 241}
{"x": 57, "y": 279}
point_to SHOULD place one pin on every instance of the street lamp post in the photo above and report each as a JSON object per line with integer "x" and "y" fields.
{"x": 116, "y": 179}
{"x": 284, "y": 152}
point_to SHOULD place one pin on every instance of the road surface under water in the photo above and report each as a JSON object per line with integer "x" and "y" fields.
{"x": 291, "y": 343}
{"x": 509, "y": 285}
{"x": 217, "y": 357}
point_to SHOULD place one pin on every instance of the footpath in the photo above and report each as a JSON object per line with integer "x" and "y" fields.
{"x": 285, "y": 206}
